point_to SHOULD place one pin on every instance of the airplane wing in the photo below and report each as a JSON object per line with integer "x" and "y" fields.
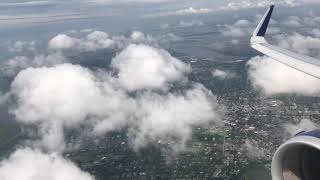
{"x": 299, "y": 62}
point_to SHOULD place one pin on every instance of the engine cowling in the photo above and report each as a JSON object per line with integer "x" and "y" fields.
{"x": 298, "y": 158}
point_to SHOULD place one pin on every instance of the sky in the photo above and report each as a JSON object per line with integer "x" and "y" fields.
{"x": 144, "y": 86}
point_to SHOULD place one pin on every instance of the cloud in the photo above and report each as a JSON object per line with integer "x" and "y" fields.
{"x": 293, "y": 21}
{"x": 144, "y": 67}
{"x": 124, "y": 1}
{"x": 75, "y": 41}
{"x": 29, "y": 164}
{"x": 244, "y": 4}
{"x": 42, "y": 101}
{"x": 69, "y": 96}
{"x": 252, "y": 149}
{"x": 222, "y": 74}
{"x": 316, "y": 32}
{"x": 302, "y": 44}
{"x": 95, "y": 40}
{"x": 240, "y": 28}
{"x": 62, "y": 41}
{"x": 20, "y": 46}
{"x": 14, "y": 65}
{"x": 28, "y": 3}
{"x": 190, "y": 23}
{"x": 272, "y": 77}
{"x": 27, "y": 19}
{"x": 243, "y": 28}
{"x": 303, "y": 125}
{"x": 171, "y": 118}
{"x": 310, "y": 1}
{"x": 182, "y": 12}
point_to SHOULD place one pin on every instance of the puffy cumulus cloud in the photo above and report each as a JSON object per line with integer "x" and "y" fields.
{"x": 273, "y": 77}
{"x": 304, "y": 125}
{"x": 192, "y": 10}
{"x": 20, "y": 46}
{"x": 239, "y": 29}
{"x": 93, "y": 41}
{"x": 304, "y": 44}
{"x": 223, "y": 74}
{"x": 69, "y": 96}
{"x": 62, "y": 41}
{"x": 170, "y": 118}
{"x": 59, "y": 97}
{"x": 243, "y": 28}
{"x": 293, "y": 21}
{"x": 144, "y": 67}
{"x": 14, "y": 65}
{"x": 83, "y": 40}
{"x": 29, "y": 164}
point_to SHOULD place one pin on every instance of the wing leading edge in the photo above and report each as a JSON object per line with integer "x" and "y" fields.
{"x": 299, "y": 62}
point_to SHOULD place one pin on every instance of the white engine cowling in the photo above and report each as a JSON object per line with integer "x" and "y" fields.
{"x": 298, "y": 158}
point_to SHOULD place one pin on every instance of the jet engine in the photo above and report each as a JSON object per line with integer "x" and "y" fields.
{"x": 298, "y": 158}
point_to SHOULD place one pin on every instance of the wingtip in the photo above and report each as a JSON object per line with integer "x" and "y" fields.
{"x": 263, "y": 25}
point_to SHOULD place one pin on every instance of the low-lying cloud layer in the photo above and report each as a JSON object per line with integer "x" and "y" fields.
{"x": 67, "y": 96}
{"x": 29, "y": 164}
{"x": 272, "y": 77}
{"x": 76, "y": 41}
{"x": 141, "y": 93}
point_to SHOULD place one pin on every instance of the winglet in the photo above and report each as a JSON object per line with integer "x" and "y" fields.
{"x": 263, "y": 25}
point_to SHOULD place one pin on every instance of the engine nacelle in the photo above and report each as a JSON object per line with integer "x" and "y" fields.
{"x": 298, "y": 158}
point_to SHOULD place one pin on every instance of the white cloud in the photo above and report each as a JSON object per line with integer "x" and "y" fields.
{"x": 58, "y": 97}
{"x": 239, "y": 29}
{"x": 20, "y": 46}
{"x": 28, "y": 164}
{"x": 83, "y": 40}
{"x": 12, "y": 66}
{"x": 190, "y": 23}
{"x": 62, "y": 41}
{"x": 307, "y": 45}
{"x": 27, "y": 3}
{"x": 242, "y": 23}
{"x": 67, "y": 96}
{"x": 171, "y": 118}
{"x": 124, "y": 1}
{"x": 244, "y": 4}
{"x": 223, "y": 74}
{"x": 144, "y": 67}
{"x": 192, "y": 10}
{"x": 94, "y": 40}
{"x": 303, "y": 125}
{"x": 253, "y": 150}
{"x": 182, "y": 12}
{"x": 293, "y": 21}
{"x": 273, "y": 77}
{"x": 316, "y": 32}
{"x": 310, "y": 1}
